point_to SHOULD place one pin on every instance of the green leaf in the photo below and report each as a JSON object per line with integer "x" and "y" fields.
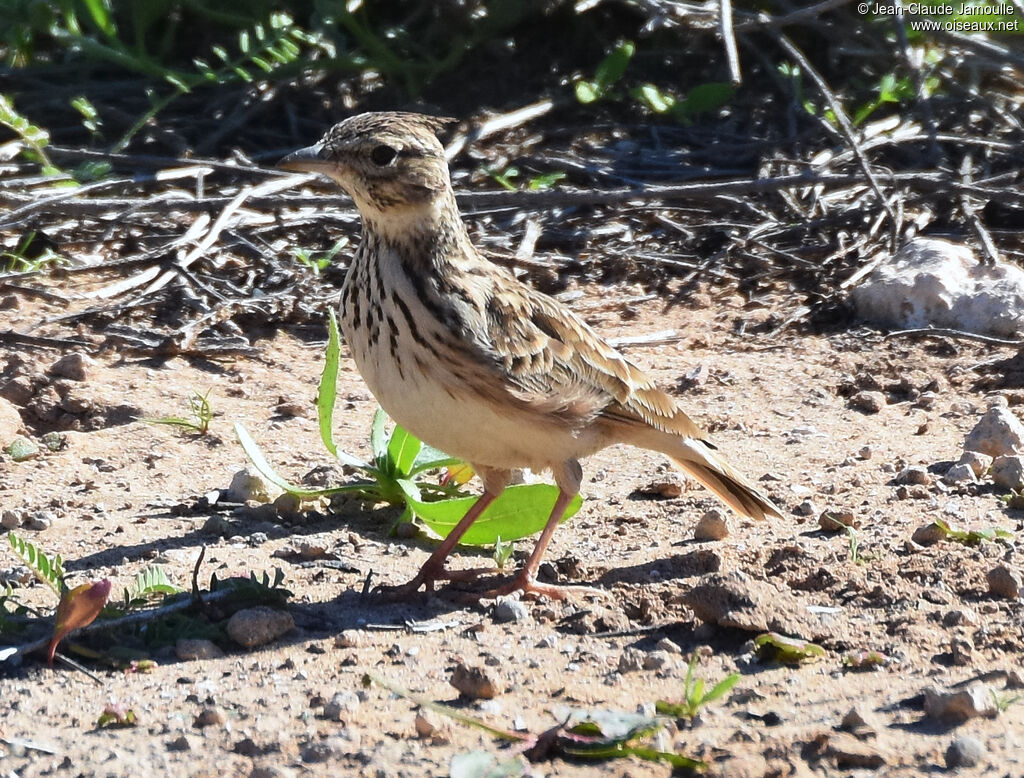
{"x": 378, "y": 443}
{"x": 708, "y": 97}
{"x": 654, "y": 98}
{"x": 152, "y": 580}
{"x": 773, "y": 646}
{"x": 403, "y": 448}
{"x": 520, "y": 511}
{"x": 611, "y": 68}
{"x": 327, "y": 392}
{"x": 586, "y": 92}
{"x": 101, "y": 16}
{"x": 722, "y": 688}
{"x": 409, "y": 489}
{"x": 49, "y": 570}
{"x": 263, "y": 466}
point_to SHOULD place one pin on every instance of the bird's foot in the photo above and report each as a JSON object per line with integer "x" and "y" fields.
{"x": 532, "y": 588}
{"x": 425, "y": 578}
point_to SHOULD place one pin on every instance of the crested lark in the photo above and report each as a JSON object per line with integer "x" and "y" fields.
{"x": 472, "y": 361}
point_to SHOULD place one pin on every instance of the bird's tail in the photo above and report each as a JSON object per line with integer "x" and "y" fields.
{"x": 726, "y": 483}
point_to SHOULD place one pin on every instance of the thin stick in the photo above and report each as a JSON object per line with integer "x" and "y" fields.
{"x": 947, "y": 333}
{"x": 844, "y": 124}
{"x": 729, "y": 41}
{"x": 988, "y": 247}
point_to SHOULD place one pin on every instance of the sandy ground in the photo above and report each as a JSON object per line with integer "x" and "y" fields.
{"x": 124, "y": 495}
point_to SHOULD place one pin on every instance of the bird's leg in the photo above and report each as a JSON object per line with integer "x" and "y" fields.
{"x": 526, "y": 579}
{"x": 433, "y": 568}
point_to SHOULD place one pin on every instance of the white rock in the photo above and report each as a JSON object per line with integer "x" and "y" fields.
{"x": 959, "y": 474}
{"x": 978, "y": 462}
{"x": 10, "y": 422}
{"x": 914, "y": 474}
{"x": 998, "y": 433}
{"x": 510, "y": 608}
{"x": 76, "y": 366}
{"x": 936, "y": 283}
{"x": 974, "y": 701}
{"x": 248, "y": 485}
{"x": 1008, "y": 472}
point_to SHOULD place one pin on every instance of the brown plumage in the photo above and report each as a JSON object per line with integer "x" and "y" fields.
{"x": 471, "y": 360}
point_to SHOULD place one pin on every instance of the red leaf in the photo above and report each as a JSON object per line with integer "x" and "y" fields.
{"x": 78, "y": 607}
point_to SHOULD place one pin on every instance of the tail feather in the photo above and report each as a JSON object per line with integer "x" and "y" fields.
{"x": 730, "y": 487}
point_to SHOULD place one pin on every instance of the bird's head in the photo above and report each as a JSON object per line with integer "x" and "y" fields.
{"x": 390, "y": 163}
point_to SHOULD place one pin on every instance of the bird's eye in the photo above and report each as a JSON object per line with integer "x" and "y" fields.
{"x": 383, "y": 155}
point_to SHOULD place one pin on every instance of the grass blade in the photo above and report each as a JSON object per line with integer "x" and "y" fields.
{"x": 328, "y": 390}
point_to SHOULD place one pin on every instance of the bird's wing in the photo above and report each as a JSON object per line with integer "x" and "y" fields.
{"x": 551, "y": 360}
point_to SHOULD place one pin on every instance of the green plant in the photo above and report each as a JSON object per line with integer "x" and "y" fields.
{"x": 316, "y": 263}
{"x": 694, "y": 694}
{"x": 593, "y": 734}
{"x": 47, "y": 569}
{"x": 535, "y": 184}
{"x": 891, "y": 89}
{"x": 149, "y": 583}
{"x": 397, "y": 474}
{"x": 972, "y": 537}
{"x": 773, "y": 647}
{"x": 200, "y": 410}
{"x": 25, "y": 258}
{"x": 608, "y": 72}
{"x": 34, "y": 139}
{"x": 502, "y": 552}
{"x": 701, "y": 99}
{"x": 1004, "y": 701}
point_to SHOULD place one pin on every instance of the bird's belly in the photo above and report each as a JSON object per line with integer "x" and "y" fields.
{"x": 464, "y": 425}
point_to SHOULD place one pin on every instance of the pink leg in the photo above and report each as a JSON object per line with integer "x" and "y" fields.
{"x": 433, "y": 568}
{"x": 526, "y": 580}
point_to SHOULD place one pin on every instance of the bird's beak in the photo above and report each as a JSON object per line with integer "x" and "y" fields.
{"x": 308, "y": 160}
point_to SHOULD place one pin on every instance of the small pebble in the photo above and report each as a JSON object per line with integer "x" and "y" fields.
{"x": 40, "y": 520}
{"x": 964, "y": 751}
{"x": 341, "y": 703}
{"x": 1008, "y": 472}
{"x": 997, "y": 433}
{"x": 657, "y": 660}
{"x": 928, "y": 535}
{"x": 868, "y": 402}
{"x": 837, "y": 521}
{"x": 258, "y": 626}
{"x": 712, "y": 526}
{"x": 208, "y": 717}
{"x": 75, "y": 366}
{"x": 1004, "y": 582}
{"x": 806, "y": 508}
{"x": 509, "y": 608}
{"x": 977, "y": 700}
{"x": 978, "y": 462}
{"x": 349, "y": 638}
{"x": 474, "y": 683}
{"x": 960, "y": 474}
{"x": 665, "y": 644}
{"x": 424, "y": 726}
{"x": 915, "y": 475}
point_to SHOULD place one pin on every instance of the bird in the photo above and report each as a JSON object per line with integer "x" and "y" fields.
{"x": 474, "y": 362}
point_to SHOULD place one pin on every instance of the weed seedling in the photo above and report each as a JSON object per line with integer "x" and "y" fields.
{"x": 201, "y": 413}
{"x": 694, "y": 694}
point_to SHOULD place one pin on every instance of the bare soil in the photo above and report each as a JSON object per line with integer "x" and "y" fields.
{"x": 125, "y": 494}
